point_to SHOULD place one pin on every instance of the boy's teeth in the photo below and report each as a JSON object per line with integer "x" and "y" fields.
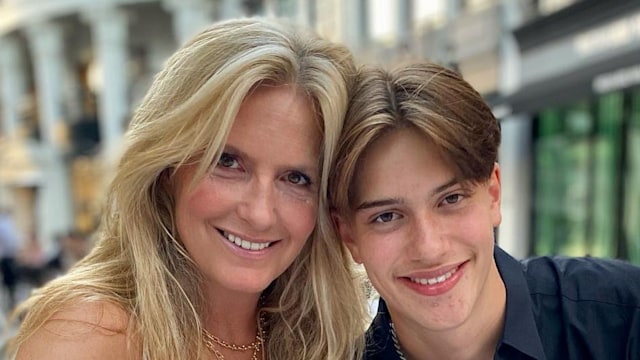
{"x": 247, "y": 245}
{"x": 435, "y": 280}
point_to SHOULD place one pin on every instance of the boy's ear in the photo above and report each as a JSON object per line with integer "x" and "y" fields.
{"x": 495, "y": 193}
{"x": 344, "y": 232}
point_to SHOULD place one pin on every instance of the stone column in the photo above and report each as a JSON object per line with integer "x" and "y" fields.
{"x": 13, "y": 84}
{"x": 512, "y": 17}
{"x": 270, "y": 8}
{"x": 46, "y": 42}
{"x": 405, "y": 21}
{"x": 516, "y": 148}
{"x": 452, "y": 9}
{"x": 109, "y": 29}
{"x": 12, "y": 89}
{"x": 230, "y": 9}
{"x": 515, "y": 164}
{"x": 303, "y": 12}
{"x": 354, "y": 23}
{"x": 53, "y": 201}
{"x": 190, "y": 16}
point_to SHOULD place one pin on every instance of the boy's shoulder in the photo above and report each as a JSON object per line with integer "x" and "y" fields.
{"x": 584, "y": 279}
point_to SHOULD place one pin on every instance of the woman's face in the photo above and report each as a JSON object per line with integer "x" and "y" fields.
{"x": 245, "y": 222}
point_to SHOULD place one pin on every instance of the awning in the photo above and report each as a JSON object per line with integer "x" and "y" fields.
{"x": 567, "y": 87}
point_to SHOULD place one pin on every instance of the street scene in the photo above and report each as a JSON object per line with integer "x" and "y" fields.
{"x": 562, "y": 78}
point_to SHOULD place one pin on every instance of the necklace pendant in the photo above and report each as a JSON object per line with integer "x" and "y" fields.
{"x": 210, "y": 342}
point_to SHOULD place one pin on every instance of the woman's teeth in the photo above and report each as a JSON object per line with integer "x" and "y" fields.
{"x": 247, "y": 245}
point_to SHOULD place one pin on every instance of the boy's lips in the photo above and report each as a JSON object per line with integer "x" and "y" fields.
{"x": 436, "y": 282}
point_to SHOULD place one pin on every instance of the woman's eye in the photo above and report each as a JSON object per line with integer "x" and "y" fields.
{"x": 386, "y": 217}
{"x": 228, "y": 161}
{"x": 298, "y": 178}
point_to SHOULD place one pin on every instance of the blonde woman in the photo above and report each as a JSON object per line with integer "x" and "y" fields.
{"x": 215, "y": 242}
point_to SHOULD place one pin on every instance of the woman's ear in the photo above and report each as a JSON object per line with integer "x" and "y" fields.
{"x": 343, "y": 228}
{"x": 166, "y": 181}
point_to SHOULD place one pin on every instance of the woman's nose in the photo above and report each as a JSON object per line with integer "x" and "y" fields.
{"x": 258, "y": 207}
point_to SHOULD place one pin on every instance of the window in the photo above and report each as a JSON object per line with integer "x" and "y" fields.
{"x": 587, "y": 176}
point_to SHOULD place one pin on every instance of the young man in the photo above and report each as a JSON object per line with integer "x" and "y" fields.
{"x": 416, "y": 197}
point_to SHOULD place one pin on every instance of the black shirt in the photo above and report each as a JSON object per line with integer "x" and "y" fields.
{"x": 557, "y": 308}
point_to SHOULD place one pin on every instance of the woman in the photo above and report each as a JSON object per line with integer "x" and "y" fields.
{"x": 215, "y": 242}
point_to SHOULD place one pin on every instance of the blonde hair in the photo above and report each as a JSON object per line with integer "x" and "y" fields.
{"x": 427, "y": 97}
{"x": 315, "y": 310}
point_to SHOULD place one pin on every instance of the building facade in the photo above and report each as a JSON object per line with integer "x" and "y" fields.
{"x": 71, "y": 72}
{"x": 561, "y": 75}
{"x": 580, "y": 94}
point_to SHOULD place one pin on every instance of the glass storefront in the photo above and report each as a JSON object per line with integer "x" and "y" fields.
{"x": 587, "y": 178}
{"x": 631, "y": 223}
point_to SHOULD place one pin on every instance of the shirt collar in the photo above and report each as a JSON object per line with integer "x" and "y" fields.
{"x": 380, "y": 344}
{"x": 520, "y": 330}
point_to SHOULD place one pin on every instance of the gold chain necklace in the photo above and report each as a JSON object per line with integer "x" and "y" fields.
{"x": 257, "y": 345}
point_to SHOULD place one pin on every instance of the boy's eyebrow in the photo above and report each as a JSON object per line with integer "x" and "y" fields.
{"x": 454, "y": 181}
{"x": 394, "y": 201}
{"x": 376, "y": 203}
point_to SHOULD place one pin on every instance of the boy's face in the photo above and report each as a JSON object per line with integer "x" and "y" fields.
{"x": 425, "y": 239}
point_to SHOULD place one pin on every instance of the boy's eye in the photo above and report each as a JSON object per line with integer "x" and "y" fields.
{"x": 298, "y": 178}
{"x": 386, "y": 217}
{"x": 452, "y": 199}
{"x": 228, "y": 161}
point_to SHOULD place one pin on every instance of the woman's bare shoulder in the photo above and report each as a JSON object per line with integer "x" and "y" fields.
{"x": 84, "y": 330}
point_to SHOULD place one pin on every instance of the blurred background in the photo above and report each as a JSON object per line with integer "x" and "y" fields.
{"x": 562, "y": 77}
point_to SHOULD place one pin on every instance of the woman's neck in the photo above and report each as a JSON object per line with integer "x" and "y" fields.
{"x": 233, "y": 318}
